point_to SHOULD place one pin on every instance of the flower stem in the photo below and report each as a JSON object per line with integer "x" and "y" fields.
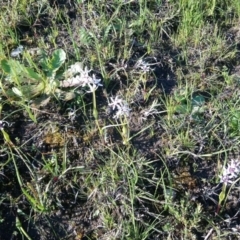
{"x": 95, "y": 112}
{"x": 222, "y": 195}
{"x": 125, "y": 131}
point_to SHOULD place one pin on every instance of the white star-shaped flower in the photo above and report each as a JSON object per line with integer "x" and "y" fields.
{"x": 121, "y": 106}
{"x": 93, "y": 83}
{"x": 115, "y": 103}
{"x": 230, "y": 172}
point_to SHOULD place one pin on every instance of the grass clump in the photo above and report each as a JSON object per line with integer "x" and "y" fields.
{"x": 119, "y": 119}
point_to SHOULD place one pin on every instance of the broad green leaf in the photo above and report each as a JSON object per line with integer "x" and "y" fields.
{"x": 234, "y": 123}
{"x": 44, "y": 64}
{"x": 6, "y": 66}
{"x": 59, "y": 57}
{"x": 33, "y": 75}
{"x": 198, "y": 100}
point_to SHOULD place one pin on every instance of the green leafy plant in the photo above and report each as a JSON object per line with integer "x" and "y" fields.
{"x": 27, "y": 82}
{"x": 193, "y": 106}
{"x": 234, "y": 123}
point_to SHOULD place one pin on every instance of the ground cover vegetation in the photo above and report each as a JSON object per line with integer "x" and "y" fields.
{"x": 119, "y": 119}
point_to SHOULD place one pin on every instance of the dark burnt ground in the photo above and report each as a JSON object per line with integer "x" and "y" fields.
{"x": 68, "y": 157}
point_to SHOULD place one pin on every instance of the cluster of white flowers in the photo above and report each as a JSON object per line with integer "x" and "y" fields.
{"x": 231, "y": 172}
{"x": 140, "y": 64}
{"x": 121, "y": 107}
{"x": 80, "y": 77}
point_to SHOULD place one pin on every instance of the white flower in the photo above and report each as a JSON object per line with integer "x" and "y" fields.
{"x": 121, "y": 106}
{"x": 116, "y": 103}
{"x": 123, "y": 111}
{"x": 93, "y": 83}
{"x": 231, "y": 172}
{"x": 142, "y": 65}
{"x": 82, "y": 78}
